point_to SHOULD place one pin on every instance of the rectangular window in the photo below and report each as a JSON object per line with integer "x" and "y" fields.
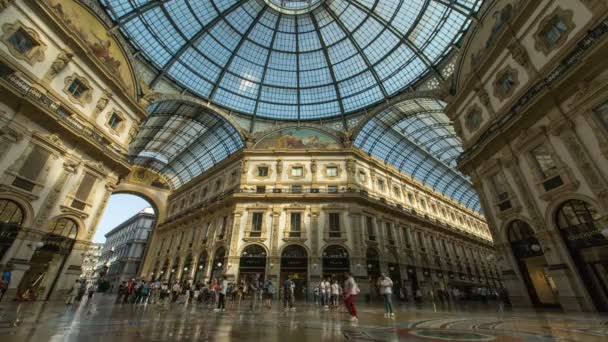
{"x": 332, "y": 188}
{"x": 296, "y": 189}
{"x": 260, "y": 189}
{"x": 204, "y": 193}
{"x": 601, "y": 114}
{"x": 223, "y": 228}
{"x": 500, "y": 187}
{"x": 396, "y": 192}
{"x": 362, "y": 176}
{"x": 334, "y": 225}
{"x": 296, "y": 225}
{"x": 114, "y": 121}
{"x": 85, "y": 187}
{"x": 34, "y": 164}
{"x": 369, "y": 225}
{"x": 332, "y": 171}
{"x": 21, "y": 41}
{"x": 218, "y": 185}
{"x": 406, "y": 237}
{"x": 380, "y": 183}
{"x": 389, "y": 233}
{"x": 77, "y": 88}
{"x": 297, "y": 171}
{"x": 263, "y": 171}
{"x": 256, "y": 222}
{"x": 544, "y": 160}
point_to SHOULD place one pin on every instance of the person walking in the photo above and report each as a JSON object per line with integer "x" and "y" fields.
{"x": 351, "y": 290}
{"x": 335, "y": 293}
{"x": 288, "y": 287}
{"x": 268, "y": 293}
{"x": 386, "y": 290}
{"x": 223, "y": 287}
{"x": 5, "y": 281}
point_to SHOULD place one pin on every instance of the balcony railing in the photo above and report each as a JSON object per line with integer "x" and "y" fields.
{"x": 62, "y": 115}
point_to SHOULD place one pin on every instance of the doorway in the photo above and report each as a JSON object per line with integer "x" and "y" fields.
{"x": 294, "y": 264}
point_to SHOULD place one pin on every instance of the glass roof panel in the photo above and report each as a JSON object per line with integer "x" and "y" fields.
{"x": 418, "y": 138}
{"x": 182, "y": 140}
{"x": 266, "y": 57}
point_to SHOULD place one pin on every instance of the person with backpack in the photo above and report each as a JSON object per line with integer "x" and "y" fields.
{"x": 386, "y": 290}
{"x": 351, "y": 290}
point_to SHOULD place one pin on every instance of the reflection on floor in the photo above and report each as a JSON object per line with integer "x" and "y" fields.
{"x": 101, "y": 320}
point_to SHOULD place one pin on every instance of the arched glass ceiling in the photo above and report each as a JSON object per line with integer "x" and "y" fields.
{"x": 182, "y": 140}
{"x": 256, "y": 57}
{"x": 417, "y": 137}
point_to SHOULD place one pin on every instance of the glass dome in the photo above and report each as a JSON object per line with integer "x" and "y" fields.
{"x": 293, "y": 59}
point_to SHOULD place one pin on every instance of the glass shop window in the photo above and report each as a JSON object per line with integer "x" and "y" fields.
{"x": 544, "y": 160}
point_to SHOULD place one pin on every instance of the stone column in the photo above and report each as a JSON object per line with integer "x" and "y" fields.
{"x": 314, "y": 231}
{"x": 8, "y": 137}
{"x": 358, "y": 247}
{"x": 571, "y": 296}
{"x": 274, "y": 231}
{"x": 565, "y": 131}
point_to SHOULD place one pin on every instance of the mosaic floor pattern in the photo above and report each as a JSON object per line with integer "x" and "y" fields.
{"x": 101, "y": 320}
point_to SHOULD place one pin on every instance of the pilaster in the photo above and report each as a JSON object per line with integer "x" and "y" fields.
{"x": 70, "y": 167}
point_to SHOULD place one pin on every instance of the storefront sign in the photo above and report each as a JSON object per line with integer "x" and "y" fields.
{"x": 294, "y": 263}
{"x": 258, "y": 263}
{"x": 335, "y": 263}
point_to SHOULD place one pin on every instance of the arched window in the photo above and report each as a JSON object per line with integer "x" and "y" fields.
{"x": 372, "y": 254}
{"x": 254, "y": 251}
{"x": 576, "y": 220}
{"x": 10, "y": 212}
{"x": 519, "y": 230}
{"x": 294, "y": 251}
{"x": 522, "y": 239}
{"x": 65, "y": 227}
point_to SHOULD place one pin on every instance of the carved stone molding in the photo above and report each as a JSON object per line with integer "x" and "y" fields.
{"x": 103, "y": 101}
{"x": 508, "y": 75}
{"x": 35, "y": 54}
{"x": 59, "y": 64}
{"x": 4, "y": 4}
{"x": 86, "y": 97}
{"x": 520, "y": 55}
{"x": 565, "y": 17}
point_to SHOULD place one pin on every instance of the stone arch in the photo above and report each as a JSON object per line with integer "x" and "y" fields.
{"x": 341, "y": 244}
{"x": 26, "y": 208}
{"x": 243, "y": 248}
{"x": 504, "y": 227}
{"x": 79, "y": 224}
{"x": 287, "y": 245}
{"x": 156, "y": 198}
{"x": 556, "y": 203}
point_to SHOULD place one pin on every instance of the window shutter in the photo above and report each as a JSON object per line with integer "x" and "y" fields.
{"x": 33, "y": 165}
{"x": 85, "y": 187}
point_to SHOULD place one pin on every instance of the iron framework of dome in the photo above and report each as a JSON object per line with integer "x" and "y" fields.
{"x": 293, "y": 59}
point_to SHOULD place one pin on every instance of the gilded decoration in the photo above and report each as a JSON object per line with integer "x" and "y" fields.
{"x": 505, "y": 83}
{"x": 473, "y": 119}
{"x": 86, "y": 97}
{"x": 103, "y": 101}
{"x": 33, "y": 55}
{"x": 147, "y": 177}
{"x": 96, "y": 38}
{"x": 558, "y": 22}
{"x": 297, "y": 138}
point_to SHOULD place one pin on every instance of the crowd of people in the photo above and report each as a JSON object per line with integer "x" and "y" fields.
{"x": 254, "y": 293}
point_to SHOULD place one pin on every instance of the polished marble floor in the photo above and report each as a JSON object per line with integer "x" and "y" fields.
{"x": 101, "y": 320}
